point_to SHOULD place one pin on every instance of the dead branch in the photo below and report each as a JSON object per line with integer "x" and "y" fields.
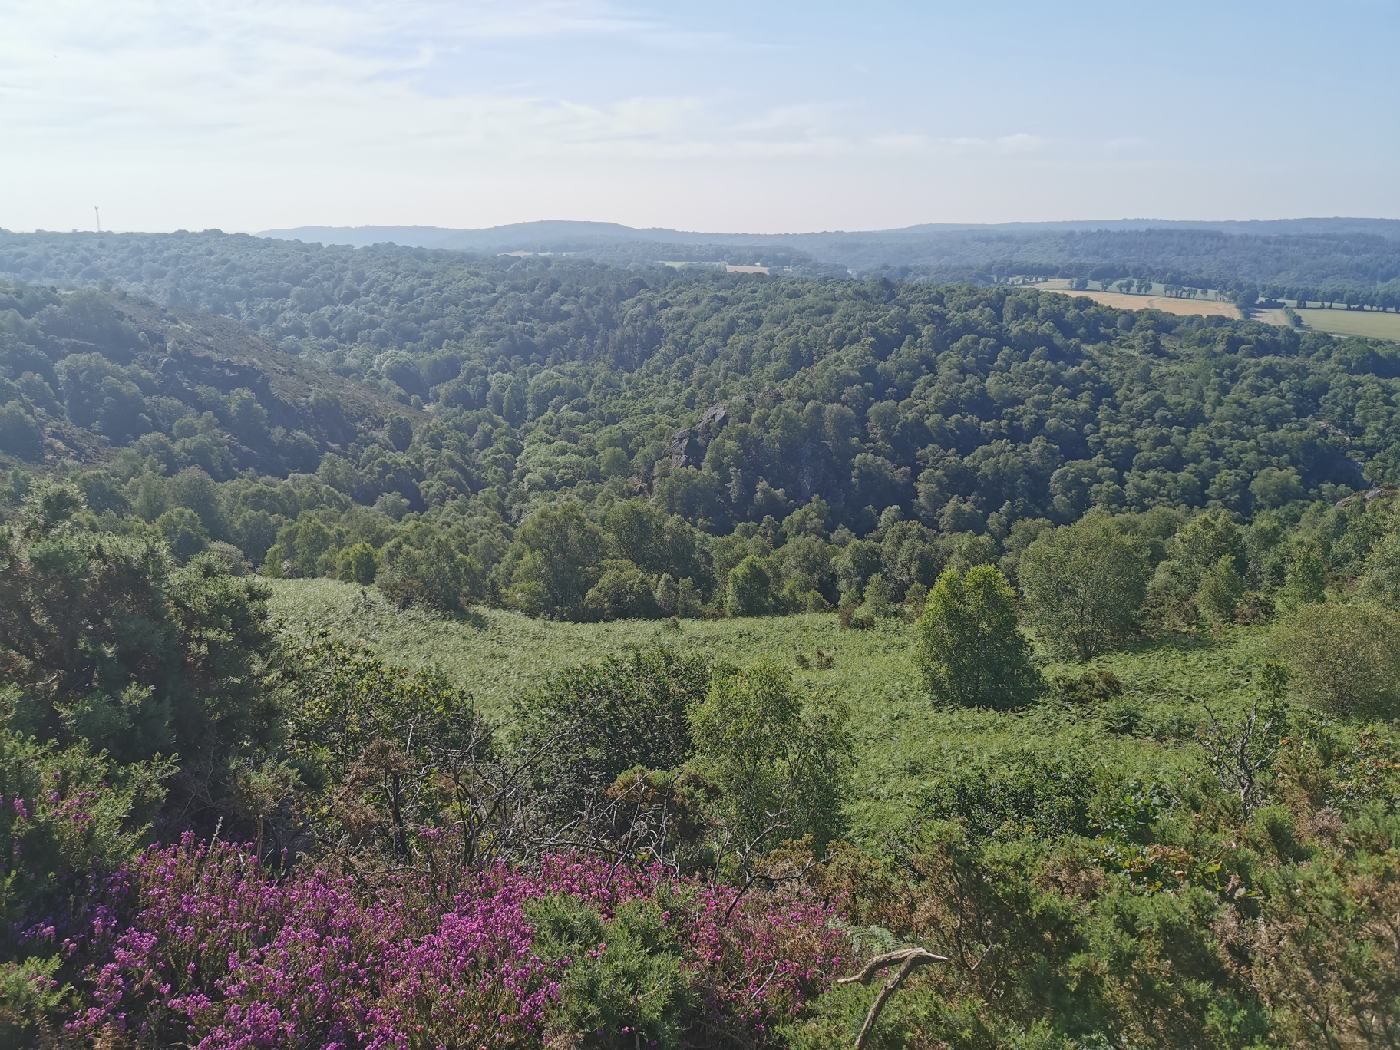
{"x": 908, "y": 960}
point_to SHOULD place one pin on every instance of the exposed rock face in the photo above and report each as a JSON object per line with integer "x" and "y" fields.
{"x": 1379, "y": 492}
{"x": 714, "y": 418}
{"x": 686, "y": 449}
{"x": 688, "y": 446}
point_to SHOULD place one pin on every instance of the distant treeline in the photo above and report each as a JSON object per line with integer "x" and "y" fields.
{"x": 1355, "y": 262}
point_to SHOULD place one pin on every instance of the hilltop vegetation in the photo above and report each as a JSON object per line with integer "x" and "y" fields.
{"x": 1186, "y": 845}
{"x": 87, "y": 374}
{"x": 900, "y": 738}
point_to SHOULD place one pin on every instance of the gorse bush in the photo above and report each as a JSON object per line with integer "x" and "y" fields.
{"x": 625, "y": 974}
{"x": 112, "y": 646}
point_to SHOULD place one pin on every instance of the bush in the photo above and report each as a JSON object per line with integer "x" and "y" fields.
{"x": 202, "y": 944}
{"x": 625, "y": 981}
{"x": 1091, "y": 686}
{"x": 183, "y": 532}
{"x": 1344, "y": 658}
{"x": 388, "y": 756}
{"x": 598, "y": 720}
{"x": 20, "y": 434}
{"x": 749, "y": 589}
{"x": 1084, "y": 585}
{"x": 430, "y": 571}
{"x": 1380, "y": 579}
{"x": 357, "y": 563}
{"x": 1219, "y": 592}
{"x": 69, "y": 818}
{"x": 782, "y": 766}
{"x": 623, "y": 592}
{"x": 968, "y": 645}
{"x": 162, "y": 661}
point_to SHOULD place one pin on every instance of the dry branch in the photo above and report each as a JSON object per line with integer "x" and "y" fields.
{"x": 908, "y": 960}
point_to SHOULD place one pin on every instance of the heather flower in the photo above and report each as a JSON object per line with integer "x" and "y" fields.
{"x": 216, "y": 951}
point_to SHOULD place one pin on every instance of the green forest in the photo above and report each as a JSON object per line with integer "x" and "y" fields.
{"x": 401, "y": 647}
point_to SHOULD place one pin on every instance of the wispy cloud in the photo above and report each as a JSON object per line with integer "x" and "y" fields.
{"x": 348, "y": 79}
{"x": 330, "y": 74}
{"x": 1018, "y": 142}
{"x": 230, "y": 105}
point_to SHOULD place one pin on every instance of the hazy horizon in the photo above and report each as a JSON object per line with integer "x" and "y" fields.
{"x": 727, "y": 118}
{"x": 732, "y": 231}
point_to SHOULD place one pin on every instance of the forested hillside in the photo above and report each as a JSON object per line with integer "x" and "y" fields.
{"x": 88, "y": 373}
{"x": 673, "y": 426}
{"x": 703, "y": 653}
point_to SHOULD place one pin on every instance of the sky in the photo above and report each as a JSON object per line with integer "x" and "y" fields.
{"x": 754, "y": 116}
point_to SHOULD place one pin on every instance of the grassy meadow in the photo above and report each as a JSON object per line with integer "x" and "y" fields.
{"x": 905, "y": 741}
{"x": 1372, "y": 324}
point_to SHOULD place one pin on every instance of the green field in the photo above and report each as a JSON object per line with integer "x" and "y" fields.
{"x": 1372, "y": 324}
{"x": 905, "y": 741}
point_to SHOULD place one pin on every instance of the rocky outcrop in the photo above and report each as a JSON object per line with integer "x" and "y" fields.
{"x": 688, "y": 446}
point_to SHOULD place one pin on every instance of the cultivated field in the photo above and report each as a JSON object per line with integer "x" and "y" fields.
{"x": 1165, "y": 303}
{"x": 905, "y": 741}
{"x": 1369, "y": 323}
{"x": 1271, "y": 316}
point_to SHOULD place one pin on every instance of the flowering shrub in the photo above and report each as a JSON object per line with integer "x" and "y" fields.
{"x": 214, "y": 950}
{"x": 68, "y": 818}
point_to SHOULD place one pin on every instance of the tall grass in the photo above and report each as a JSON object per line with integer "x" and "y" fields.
{"x": 906, "y": 741}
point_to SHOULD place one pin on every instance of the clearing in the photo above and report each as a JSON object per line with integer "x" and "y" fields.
{"x": 906, "y": 743}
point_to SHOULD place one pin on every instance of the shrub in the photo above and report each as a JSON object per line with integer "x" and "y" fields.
{"x": 749, "y": 589}
{"x": 1343, "y": 658}
{"x": 357, "y": 563}
{"x": 203, "y": 944}
{"x": 598, "y": 720}
{"x": 183, "y": 532}
{"x": 623, "y": 592}
{"x": 624, "y": 978}
{"x": 968, "y": 645}
{"x": 1093, "y": 685}
{"x": 428, "y": 570}
{"x": 781, "y": 765}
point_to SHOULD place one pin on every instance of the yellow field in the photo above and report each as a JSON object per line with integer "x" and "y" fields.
{"x": 1165, "y": 303}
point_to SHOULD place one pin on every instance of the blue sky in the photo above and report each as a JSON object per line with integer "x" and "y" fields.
{"x": 719, "y": 115}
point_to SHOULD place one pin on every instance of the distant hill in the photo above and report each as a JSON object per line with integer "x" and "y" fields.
{"x": 554, "y": 232}
{"x": 1319, "y": 258}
